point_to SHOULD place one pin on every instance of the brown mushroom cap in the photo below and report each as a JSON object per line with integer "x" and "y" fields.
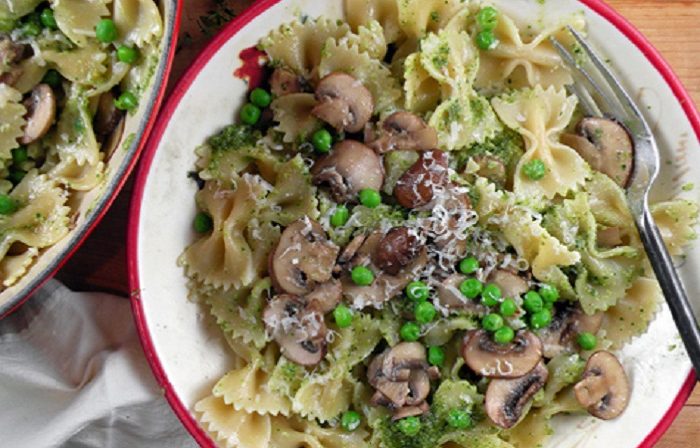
{"x": 511, "y": 284}
{"x": 344, "y": 102}
{"x": 603, "y": 389}
{"x": 326, "y": 296}
{"x": 303, "y": 258}
{"x": 492, "y": 360}
{"x": 397, "y": 249}
{"x": 506, "y": 398}
{"x": 404, "y": 131}
{"x": 567, "y": 323}
{"x": 385, "y": 285}
{"x": 606, "y": 146}
{"x": 349, "y": 168}
{"x": 417, "y": 186}
{"x": 41, "y": 112}
{"x": 284, "y": 82}
{"x": 298, "y": 327}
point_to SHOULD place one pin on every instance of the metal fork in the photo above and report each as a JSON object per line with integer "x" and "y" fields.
{"x": 601, "y": 94}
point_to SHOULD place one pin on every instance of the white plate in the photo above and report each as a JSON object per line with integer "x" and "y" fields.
{"x": 188, "y": 354}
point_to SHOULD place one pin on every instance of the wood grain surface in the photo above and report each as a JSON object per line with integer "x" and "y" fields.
{"x": 672, "y": 26}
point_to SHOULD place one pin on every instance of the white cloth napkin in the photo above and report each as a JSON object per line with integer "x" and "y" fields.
{"x": 72, "y": 374}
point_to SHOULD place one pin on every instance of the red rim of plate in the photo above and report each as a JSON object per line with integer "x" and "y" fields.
{"x": 182, "y": 412}
{"x": 106, "y": 202}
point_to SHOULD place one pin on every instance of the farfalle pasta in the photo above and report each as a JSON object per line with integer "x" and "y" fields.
{"x": 405, "y": 242}
{"x": 64, "y": 66}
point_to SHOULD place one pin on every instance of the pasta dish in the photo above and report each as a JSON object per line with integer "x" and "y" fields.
{"x": 70, "y": 71}
{"x": 413, "y": 237}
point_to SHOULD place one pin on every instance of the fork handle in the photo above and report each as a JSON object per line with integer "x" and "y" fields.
{"x": 671, "y": 285}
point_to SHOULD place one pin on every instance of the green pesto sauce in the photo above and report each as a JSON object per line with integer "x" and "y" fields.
{"x": 234, "y": 137}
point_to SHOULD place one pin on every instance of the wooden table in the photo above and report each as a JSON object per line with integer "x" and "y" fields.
{"x": 671, "y": 25}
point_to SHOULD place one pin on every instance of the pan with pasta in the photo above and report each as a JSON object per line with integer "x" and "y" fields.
{"x": 77, "y": 82}
{"x": 409, "y": 236}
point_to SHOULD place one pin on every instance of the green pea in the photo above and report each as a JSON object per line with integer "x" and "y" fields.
{"x": 459, "y": 419}
{"x": 250, "y": 114}
{"x": 19, "y": 155}
{"x": 471, "y": 288}
{"x": 508, "y": 308}
{"x": 492, "y": 322}
{"x": 31, "y": 29}
{"x": 487, "y": 18}
{"x": 203, "y": 222}
{"x": 541, "y": 319}
{"x": 126, "y": 101}
{"x": 370, "y": 198}
{"x": 417, "y": 291}
{"x": 340, "y": 216}
{"x": 127, "y": 54}
{"x": 343, "y": 316}
{"x": 436, "y": 356}
{"x": 52, "y": 78}
{"x": 16, "y": 175}
{"x": 106, "y": 31}
{"x": 350, "y": 421}
{"x": 410, "y": 426}
{"x": 48, "y": 19}
{"x": 504, "y": 335}
{"x": 322, "y": 141}
{"x": 532, "y": 302}
{"x": 587, "y": 341}
{"x": 549, "y": 293}
{"x": 486, "y": 40}
{"x": 260, "y": 97}
{"x": 7, "y": 205}
{"x": 469, "y": 266}
{"x": 491, "y": 295}
{"x": 410, "y": 332}
{"x": 535, "y": 169}
{"x": 425, "y": 312}
{"x": 362, "y": 275}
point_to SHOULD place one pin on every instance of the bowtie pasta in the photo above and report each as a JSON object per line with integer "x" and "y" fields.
{"x": 414, "y": 238}
{"x": 70, "y": 70}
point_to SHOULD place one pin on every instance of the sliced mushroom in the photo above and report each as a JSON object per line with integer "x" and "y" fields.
{"x": 385, "y": 285}
{"x": 344, "y": 102}
{"x": 511, "y": 284}
{"x": 491, "y": 168}
{"x": 284, "y": 82}
{"x": 567, "y": 322}
{"x": 606, "y": 146}
{"x": 492, "y": 360}
{"x": 326, "y": 296}
{"x": 41, "y": 112}
{"x": 417, "y": 186}
{"x": 396, "y": 250}
{"x": 298, "y": 327}
{"x": 303, "y": 258}
{"x": 604, "y": 389}
{"x": 419, "y": 385}
{"x": 402, "y": 358}
{"x": 404, "y": 131}
{"x": 351, "y": 249}
{"x": 507, "y": 398}
{"x": 450, "y": 296}
{"x": 107, "y": 117}
{"x": 410, "y": 411}
{"x": 349, "y": 168}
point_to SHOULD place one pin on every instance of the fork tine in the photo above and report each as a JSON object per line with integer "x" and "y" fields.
{"x": 615, "y": 85}
{"x": 586, "y": 100}
{"x": 583, "y": 94}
